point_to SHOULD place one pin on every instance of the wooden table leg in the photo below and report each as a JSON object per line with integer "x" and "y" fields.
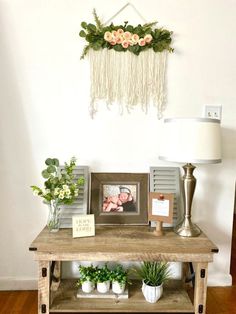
{"x": 200, "y": 288}
{"x": 43, "y": 287}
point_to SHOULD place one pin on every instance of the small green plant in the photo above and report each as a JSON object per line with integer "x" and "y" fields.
{"x": 102, "y": 274}
{"x": 60, "y": 184}
{"x": 119, "y": 274}
{"x": 153, "y": 273}
{"x": 87, "y": 273}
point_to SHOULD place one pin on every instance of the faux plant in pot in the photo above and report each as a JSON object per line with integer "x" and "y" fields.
{"x": 87, "y": 278}
{"x": 103, "y": 279}
{"x": 153, "y": 275}
{"x": 119, "y": 278}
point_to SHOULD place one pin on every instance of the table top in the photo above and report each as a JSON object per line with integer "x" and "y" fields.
{"x": 123, "y": 243}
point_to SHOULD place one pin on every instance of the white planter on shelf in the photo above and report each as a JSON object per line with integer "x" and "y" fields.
{"x": 88, "y": 286}
{"x": 152, "y": 294}
{"x": 103, "y": 287}
{"x": 117, "y": 287}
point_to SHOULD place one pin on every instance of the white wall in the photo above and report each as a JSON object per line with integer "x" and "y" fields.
{"x": 44, "y": 94}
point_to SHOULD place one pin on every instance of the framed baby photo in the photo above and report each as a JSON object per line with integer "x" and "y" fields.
{"x": 119, "y": 198}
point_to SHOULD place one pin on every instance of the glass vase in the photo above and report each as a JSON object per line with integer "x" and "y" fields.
{"x": 53, "y": 222}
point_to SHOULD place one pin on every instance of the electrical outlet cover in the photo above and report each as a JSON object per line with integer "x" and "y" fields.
{"x": 213, "y": 111}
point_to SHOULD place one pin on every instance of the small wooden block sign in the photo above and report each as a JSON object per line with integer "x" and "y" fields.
{"x": 160, "y": 209}
{"x": 83, "y": 226}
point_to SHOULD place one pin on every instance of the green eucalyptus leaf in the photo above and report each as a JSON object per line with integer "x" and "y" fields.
{"x": 82, "y": 33}
{"x": 51, "y": 169}
{"x": 118, "y": 48}
{"x": 56, "y": 162}
{"x": 48, "y": 161}
{"x": 96, "y": 46}
{"x": 84, "y": 25}
{"x": 129, "y": 28}
{"x": 91, "y": 27}
{"x": 45, "y": 174}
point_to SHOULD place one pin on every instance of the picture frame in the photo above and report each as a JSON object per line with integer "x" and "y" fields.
{"x": 160, "y": 209}
{"x": 119, "y": 198}
{"x": 156, "y": 210}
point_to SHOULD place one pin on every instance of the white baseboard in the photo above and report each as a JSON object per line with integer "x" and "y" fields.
{"x": 32, "y": 284}
{"x": 18, "y": 284}
{"x": 219, "y": 280}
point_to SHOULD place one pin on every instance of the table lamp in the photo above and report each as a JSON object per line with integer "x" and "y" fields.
{"x": 190, "y": 140}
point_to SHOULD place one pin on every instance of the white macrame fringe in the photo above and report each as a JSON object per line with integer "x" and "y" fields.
{"x": 127, "y": 79}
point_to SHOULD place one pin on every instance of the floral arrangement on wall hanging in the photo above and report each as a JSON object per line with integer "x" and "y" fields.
{"x": 127, "y": 64}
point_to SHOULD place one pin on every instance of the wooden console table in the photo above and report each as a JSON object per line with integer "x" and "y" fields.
{"x": 120, "y": 243}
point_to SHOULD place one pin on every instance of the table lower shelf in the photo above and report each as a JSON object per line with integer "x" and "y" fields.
{"x": 174, "y": 300}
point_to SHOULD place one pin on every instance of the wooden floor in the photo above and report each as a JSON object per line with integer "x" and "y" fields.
{"x": 220, "y": 300}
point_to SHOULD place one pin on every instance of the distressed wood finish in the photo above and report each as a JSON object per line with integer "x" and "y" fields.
{"x": 174, "y": 299}
{"x": 43, "y": 286}
{"x": 122, "y": 243}
{"x": 200, "y": 287}
{"x": 112, "y": 243}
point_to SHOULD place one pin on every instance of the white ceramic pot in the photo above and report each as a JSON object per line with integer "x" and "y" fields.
{"x": 117, "y": 287}
{"x": 152, "y": 294}
{"x": 103, "y": 287}
{"x": 88, "y": 286}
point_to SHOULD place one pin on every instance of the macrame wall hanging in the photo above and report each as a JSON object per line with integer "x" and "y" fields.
{"x": 127, "y": 63}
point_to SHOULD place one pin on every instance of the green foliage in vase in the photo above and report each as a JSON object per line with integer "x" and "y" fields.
{"x": 60, "y": 184}
{"x": 103, "y": 274}
{"x": 153, "y": 273}
{"x": 125, "y": 37}
{"x": 119, "y": 274}
{"x": 87, "y": 273}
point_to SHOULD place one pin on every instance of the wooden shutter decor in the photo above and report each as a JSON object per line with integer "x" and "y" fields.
{"x": 80, "y": 206}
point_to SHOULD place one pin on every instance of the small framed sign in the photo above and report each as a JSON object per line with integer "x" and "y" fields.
{"x": 83, "y": 226}
{"x": 160, "y": 209}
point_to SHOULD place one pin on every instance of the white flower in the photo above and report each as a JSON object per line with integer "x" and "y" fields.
{"x": 56, "y": 191}
{"x": 47, "y": 191}
{"x": 61, "y": 196}
{"x": 65, "y": 187}
{"x": 68, "y": 192}
{"x": 36, "y": 192}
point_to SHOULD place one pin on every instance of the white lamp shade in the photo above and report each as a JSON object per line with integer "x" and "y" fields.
{"x": 191, "y": 140}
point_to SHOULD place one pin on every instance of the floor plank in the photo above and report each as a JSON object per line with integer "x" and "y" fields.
{"x": 220, "y": 300}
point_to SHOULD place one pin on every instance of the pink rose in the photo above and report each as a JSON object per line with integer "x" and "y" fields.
{"x": 120, "y": 31}
{"x": 125, "y": 44}
{"x": 142, "y": 42}
{"x": 119, "y": 40}
{"x": 148, "y": 38}
{"x": 135, "y": 38}
{"x": 115, "y": 34}
{"x": 113, "y": 42}
{"x": 108, "y": 36}
{"x": 127, "y": 35}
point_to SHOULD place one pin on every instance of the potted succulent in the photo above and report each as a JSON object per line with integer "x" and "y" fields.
{"x": 119, "y": 278}
{"x": 103, "y": 279}
{"x": 153, "y": 275}
{"x": 87, "y": 278}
